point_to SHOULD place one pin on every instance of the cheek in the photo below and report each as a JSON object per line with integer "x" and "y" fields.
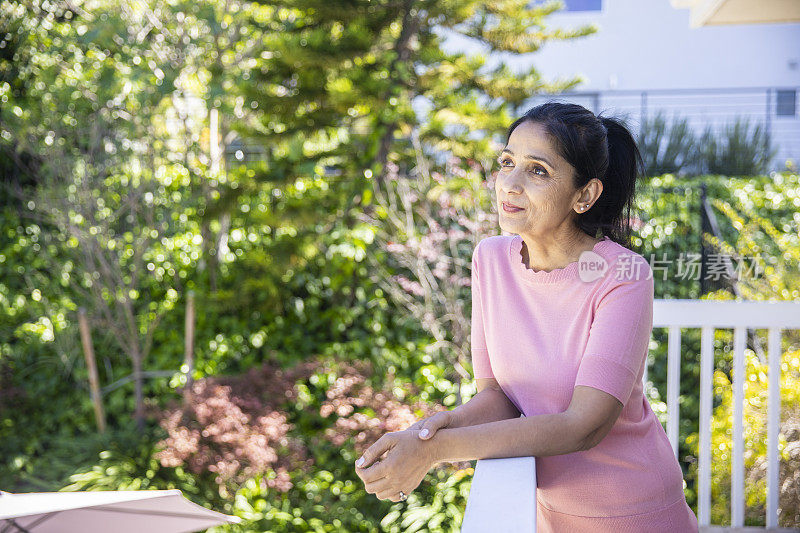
{"x": 555, "y": 197}
{"x": 543, "y": 198}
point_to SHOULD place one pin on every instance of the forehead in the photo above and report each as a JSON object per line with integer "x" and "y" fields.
{"x": 530, "y": 138}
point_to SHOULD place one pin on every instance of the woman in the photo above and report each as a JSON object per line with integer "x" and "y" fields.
{"x": 561, "y": 322}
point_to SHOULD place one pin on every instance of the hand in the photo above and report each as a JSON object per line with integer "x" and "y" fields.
{"x": 427, "y": 427}
{"x": 408, "y": 459}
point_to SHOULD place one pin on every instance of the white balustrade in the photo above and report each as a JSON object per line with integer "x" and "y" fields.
{"x": 709, "y": 315}
{"x": 502, "y": 497}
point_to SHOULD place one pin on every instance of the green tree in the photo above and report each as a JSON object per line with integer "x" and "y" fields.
{"x": 86, "y": 104}
{"x": 337, "y": 94}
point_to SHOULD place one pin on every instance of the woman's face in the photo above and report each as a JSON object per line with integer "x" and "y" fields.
{"x": 534, "y": 177}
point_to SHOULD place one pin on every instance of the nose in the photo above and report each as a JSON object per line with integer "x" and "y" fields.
{"x": 508, "y": 183}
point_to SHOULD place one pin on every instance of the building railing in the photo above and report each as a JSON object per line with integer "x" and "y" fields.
{"x": 503, "y": 493}
{"x": 775, "y": 108}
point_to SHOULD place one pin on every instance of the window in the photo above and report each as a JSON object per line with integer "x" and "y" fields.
{"x": 576, "y": 5}
{"x": 786, "y": 105}
{"x": 583, "y": 5}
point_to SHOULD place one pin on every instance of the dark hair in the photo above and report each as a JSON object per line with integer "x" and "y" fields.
{"x": 595, "y": 146}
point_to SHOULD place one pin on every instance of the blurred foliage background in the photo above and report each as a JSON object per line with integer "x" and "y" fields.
{"x": 317, "y": 174}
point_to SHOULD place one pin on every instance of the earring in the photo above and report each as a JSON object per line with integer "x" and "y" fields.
{"x": 583, "y": 207}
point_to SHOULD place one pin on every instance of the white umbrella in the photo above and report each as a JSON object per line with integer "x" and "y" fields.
{"x": 121, "y": 511}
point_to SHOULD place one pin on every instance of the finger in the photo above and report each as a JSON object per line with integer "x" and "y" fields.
{"x": 381, "y": 485}
{"x": 430, "y": 426}
{"x": 374, "y": 452}
{"x": 379, "y": 470}
{"x": 415, "y": 425}
{"x": 392, "y": 494}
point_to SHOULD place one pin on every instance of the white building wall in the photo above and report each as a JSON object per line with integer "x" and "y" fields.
{"x": 645, "y": 57}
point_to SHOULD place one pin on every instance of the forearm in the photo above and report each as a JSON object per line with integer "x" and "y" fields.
{"x": 538, "y": 436}
{"x": 489, "y": 405}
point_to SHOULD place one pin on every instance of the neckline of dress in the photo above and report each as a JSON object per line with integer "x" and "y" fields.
{"x": 568, "y": 272}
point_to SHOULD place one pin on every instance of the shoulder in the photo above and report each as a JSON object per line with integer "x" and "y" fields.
{"x": 624, "y": 266}
{"x": 492, "y": 246}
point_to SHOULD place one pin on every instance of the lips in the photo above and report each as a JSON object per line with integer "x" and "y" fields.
{"x": 511, "y": 206}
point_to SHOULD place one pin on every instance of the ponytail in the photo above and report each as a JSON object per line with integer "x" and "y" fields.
{"x": 625, "y": 166}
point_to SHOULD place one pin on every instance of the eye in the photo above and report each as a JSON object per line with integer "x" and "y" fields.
{"x": 503, "y": 160}
{"x": 537, "y": 167}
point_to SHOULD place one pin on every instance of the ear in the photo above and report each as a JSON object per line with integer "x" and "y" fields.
{"x": 590, "y": 192}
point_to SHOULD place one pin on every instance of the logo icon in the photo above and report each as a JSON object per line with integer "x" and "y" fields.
{"x": 591, "y": 266}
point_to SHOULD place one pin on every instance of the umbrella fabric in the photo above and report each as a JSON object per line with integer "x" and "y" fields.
{"x": 123, "y": 511}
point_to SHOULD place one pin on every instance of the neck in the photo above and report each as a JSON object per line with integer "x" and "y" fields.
{"x": 550, "y": 255}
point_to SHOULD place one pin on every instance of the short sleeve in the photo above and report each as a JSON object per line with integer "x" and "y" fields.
{"x": 481, "y": 366}
{"x": 619, "y": 336}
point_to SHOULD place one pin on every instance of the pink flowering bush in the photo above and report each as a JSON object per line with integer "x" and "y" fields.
{"x": 235, "y": 427}
{"x": 353, "y": 401}
{"x": 268, "y": 422}
{"x": 338, "y": 412}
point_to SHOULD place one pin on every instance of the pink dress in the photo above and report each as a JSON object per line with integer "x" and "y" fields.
{"x": 540, "y": 334}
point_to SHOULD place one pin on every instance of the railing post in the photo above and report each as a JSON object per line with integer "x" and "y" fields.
{"x": 706, "y": 411}
{"x": 737, "y": 461}
{"x": 673, "y": 385}
{"x": 773, "y": 424}
{"x": 502, "y": 496}
{"x": 644, "y": 374}
{"x": 768, "y": 118}
{"x": 643, "y": 110}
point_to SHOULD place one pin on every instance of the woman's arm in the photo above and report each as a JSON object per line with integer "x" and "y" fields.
{"x": 579, "y": 428}
{"x": 583, "y": 425}
{"x": 490, "y": 404}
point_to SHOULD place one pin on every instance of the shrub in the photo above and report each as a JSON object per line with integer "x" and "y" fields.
{"x": 675, "y": 149}
{"x": 235, "y": 428}
{"x": 738, "y": 153}
{"x": 666, "y": 149}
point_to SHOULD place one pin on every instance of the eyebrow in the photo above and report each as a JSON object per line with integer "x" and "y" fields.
{"x": 540, "y": 158}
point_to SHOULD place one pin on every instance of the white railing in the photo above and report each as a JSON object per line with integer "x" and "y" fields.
{"x": 503, "y": 493}
{"x": 502, "y": 498}
{"x": 709, "y": 315}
